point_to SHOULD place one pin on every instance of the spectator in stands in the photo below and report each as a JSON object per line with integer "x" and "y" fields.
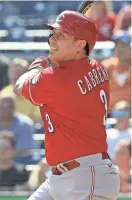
{"x": 118, "y": 5}
{"x": 11, "y": 173}
{"x": 123, "y": 20}
{"x": 7, "y": 8}
{"x": 17, "y": 67}
{"x": 101, "y": 12}
{"x": 21, "y": 126}
{"x": 4, "y": 65}
{"x": 39, "y": 174}
{"x": 119, "y": 69}
{"x": 17, "y": 34}
{"x": 122, "y": 113}
{"x": 123, "y": 160}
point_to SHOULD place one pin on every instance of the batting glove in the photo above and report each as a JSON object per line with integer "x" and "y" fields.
{"x": 40, "y": 62}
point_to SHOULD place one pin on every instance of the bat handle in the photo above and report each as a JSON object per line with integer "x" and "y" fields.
{"x": 80, "y": 9}
{"x": 85, "y": 6}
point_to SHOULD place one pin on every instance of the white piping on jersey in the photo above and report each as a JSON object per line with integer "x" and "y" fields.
{"x": 30, "y": 94}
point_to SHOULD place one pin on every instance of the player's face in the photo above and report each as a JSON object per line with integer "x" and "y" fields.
{"x": 63, "y": 47}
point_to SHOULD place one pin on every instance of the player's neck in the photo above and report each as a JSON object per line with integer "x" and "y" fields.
{"x": 70, "y": 60}
{"x": 80, "y": 57}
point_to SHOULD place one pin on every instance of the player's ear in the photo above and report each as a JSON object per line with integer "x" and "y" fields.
{"x": 81, "y": 44}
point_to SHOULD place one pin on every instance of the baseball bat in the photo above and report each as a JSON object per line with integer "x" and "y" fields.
{"x": 84, "y": 7}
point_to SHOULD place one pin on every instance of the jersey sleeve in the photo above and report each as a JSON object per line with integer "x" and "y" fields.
{"x": 40, "y": 88}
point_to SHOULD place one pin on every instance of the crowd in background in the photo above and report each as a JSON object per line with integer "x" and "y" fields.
{"x": 22, "y": 162}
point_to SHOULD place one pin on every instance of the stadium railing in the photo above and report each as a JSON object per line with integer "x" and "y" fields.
{"x": 31, "y": 50}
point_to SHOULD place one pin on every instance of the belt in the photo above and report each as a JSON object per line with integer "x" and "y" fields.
{"x": 64, "y": 167}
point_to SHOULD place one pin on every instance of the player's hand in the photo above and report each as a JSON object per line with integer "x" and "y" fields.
{"x": 40, "y": 62}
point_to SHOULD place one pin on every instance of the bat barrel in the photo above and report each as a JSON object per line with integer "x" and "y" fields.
{"x": 84, "y": 6}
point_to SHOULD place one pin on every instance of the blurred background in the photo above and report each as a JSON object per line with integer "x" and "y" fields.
{"x": 22, "y": 39}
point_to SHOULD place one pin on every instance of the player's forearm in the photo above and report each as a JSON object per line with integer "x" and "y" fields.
{"x": 20, "y": 82}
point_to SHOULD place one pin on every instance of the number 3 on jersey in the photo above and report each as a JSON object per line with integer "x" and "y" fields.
{"x": 104, "y": 101}
{"x": 50, "y": 125}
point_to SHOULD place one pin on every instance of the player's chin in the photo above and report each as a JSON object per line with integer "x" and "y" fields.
{"x": 52, "y": 56}
{"x": 55, "y": 60}
{"x": 52, "y": 53}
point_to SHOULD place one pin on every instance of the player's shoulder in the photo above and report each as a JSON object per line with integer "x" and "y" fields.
{"x": 50, "y": 71}
{"x": 47, "y": 74}
{"x": 95, "y": 63}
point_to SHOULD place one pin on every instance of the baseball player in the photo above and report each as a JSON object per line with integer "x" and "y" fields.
{"x": 73, "y": 96}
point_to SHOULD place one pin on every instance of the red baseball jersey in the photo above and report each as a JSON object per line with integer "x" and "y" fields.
{"x": 73, "y": 100}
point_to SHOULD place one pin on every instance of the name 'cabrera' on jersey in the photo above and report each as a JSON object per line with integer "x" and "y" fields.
{"x": 73, "y": 101}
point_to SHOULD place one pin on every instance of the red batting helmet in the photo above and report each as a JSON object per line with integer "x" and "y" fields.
{"x": 77, "y": 25}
